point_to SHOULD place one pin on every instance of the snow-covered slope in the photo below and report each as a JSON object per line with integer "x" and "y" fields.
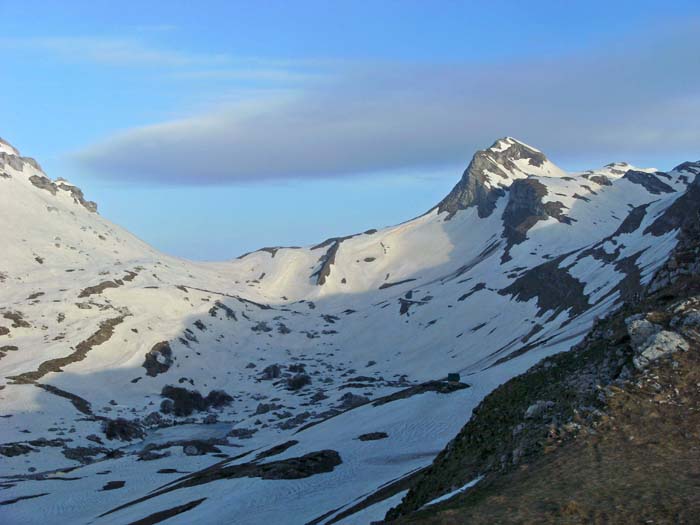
{"x": 125, "y": 372}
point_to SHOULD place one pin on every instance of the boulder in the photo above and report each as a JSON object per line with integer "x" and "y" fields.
{"x": 659, "y": 345}
{"x": 640, "y": 330}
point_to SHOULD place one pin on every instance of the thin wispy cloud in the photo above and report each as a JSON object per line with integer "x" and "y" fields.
{"x": 242, "y": 72}
{"x": 117, "y": 51}
{"x": 637, "y": 96}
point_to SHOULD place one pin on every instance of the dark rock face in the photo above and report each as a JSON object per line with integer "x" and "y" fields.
{"x": 554, "y": 288}
{"x": 292, "y": 468}
{"x": 689, "y": 167}
{"x": 524, "y": 209}
{"x": 440, "y": 387}
{"x": 261, "y": 327}
{"x": 218, "y": 305}
{"x": 183, "y": 402}
{"x": 473, "y": 190}
{"x": 122, "y": 429}
{"x": 272, "y": 250}
{"x": 295, "y": 421}
{"x": 17, "y": 319}
{"x": 7, "y": 348}
{"x": 44, "y": 183}
{"x": 242, "y": 433}
{"x": 327, "y": 260}
{"x": 683, "y": 212}
{"x": 14, "y": 161}
{"x": 300, "y": 467}
{"x": 373, "y": 436}
{"x": 298, "y": 381}
{"x": 102, "y": 335}
{"x": 264, "y": 408}
{"x": 349, "y": 400}
{"x": 78, "y": 197}
{"x": 277, "y": 449}
{"x": 601, "y": 180}
{"x": 271, "y": 372}
{"x": 158, "y": 359}
{"x": 384, "y": 286}
{"x": 650, "y": 182}
{"x": 97, "y": 289}
{"x": 15, "y": 449}
{"x": 84, "y": 455}
{"x": 112, "y": 485}
{"x": 218, "y": 399}
{"x": 32, "y": 162}
{"x": 632, "y": 221}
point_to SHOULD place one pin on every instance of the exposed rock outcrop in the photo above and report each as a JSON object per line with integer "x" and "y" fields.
{"x": 159, "y": 359}
{"x": 490, "y": 169}
{"x": 78, "y": 196}
{"x": 524, "y": 209}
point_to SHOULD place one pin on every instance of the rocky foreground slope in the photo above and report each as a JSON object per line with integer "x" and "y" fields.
{"x": 303, "y": 385}
{"x": 607, "y": 433}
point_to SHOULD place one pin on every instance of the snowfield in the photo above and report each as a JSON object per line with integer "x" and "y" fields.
{"x": 292, "y": 385}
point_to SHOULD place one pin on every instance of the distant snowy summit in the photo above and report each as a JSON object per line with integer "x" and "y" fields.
{"x": 493, "y": 169}
{"x": 10, "y": 156}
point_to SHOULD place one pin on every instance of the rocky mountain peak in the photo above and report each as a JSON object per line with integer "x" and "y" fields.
{"x": 6, "y": 147}
{"x": 689, "y": 167}
{"x": 509, "y": 149}
{"x": 491, "y": 171}
{"x": 10, "y": 159}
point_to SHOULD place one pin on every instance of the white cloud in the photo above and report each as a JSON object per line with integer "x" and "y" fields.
{"x": 640, "y": 95}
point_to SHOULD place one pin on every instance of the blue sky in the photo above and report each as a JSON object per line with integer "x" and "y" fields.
{"x": 215, "y": 129}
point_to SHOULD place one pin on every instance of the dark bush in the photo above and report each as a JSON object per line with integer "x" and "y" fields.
{"x": 218, "y": 399}
{"x": 182, "y": 402}
{"x": 122, "y": 429}
{"x": 298, "y": 381}
{"x": 271, "y": 372}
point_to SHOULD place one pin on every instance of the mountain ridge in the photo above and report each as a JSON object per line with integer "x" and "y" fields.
{"x": 145, "y": 365}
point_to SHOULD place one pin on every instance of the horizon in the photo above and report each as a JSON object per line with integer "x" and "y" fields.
{"x": 192, "y": 110}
